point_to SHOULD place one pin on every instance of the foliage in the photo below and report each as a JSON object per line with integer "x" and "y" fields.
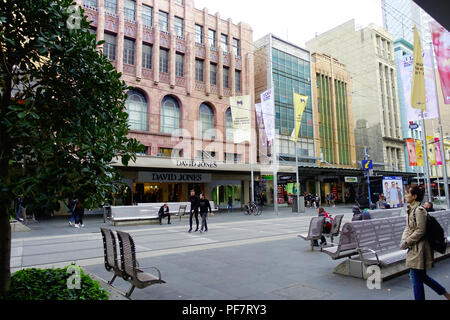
{"x": 51, "y": 284}
{"x": 65, "y": 123}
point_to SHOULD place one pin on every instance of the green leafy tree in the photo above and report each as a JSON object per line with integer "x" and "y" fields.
{"x": 62, "y": 120}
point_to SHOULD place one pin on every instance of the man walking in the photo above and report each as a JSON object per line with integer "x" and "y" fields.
{"x": 204, "y": 206}
{"x": 163, "y": 213}
{"x": 194, "y": 210}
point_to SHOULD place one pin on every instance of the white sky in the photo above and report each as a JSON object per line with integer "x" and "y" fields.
{"x": 295, "y": 20}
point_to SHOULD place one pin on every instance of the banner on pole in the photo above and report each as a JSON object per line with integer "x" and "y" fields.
{"x": 437, "y": 147}
{"x": 242, "y": 117}
{"x": 300, "y": 102}
{"x": 411, "y": 146}
{"x": 441, "y": 45}
{"x": 431, "y": 150}
{"x": 418, "y": 96}
{"x": 419, "y": 152}
{"x": 261, "y": 128}
{"x": 268, "y": 111}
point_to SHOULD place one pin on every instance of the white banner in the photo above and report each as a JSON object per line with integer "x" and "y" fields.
{"x": 242, "y": 117}
{"x": 405, "y": 65}
{"x": 268, "y": 111}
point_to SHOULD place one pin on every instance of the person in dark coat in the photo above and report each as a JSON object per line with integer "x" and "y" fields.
{"x": 428, "y": 206}
{"x": 204, "y": 206}
{"x": 79, "y": 214}
{"x": 357, "y": 214}
{"x": 194, "y": 209}
{"x": 163, "y": 213}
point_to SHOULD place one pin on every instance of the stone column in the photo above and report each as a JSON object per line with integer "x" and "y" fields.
{"x": 139, "y": 37}
{"x": 207, "y": 68}
{"x": 101, "y": 22}
{"x": 156, "y": 46}
{"x": 173, "y": 46}
{"x": 120, "y": 36}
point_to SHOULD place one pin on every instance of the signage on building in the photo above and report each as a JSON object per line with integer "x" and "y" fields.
{"x": 413, "y": 126}
{"x": 172, "y": 177}
{"x": 351, "y": 179}
{"x": 196, "y": 164}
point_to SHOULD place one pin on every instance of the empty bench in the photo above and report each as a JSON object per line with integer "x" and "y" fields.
{"x": 128, "y": 267}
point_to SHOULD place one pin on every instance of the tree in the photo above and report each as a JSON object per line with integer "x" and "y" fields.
{"x": 62, "y": 114}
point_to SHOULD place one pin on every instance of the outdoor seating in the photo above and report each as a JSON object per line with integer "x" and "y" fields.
{"x": 110, "y": 252}
{"x": 346, "y": 247}
{"x": 315, "y": 230}
{"x": 335, "y": 227}
{"x": 132, "y": 272}
{"x": 182, "y": 211}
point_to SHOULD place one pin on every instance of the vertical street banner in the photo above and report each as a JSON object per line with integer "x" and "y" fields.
{"x": 261, "y": 129}
{"x": 431, "y": 150}
{"x": 411, "y": 146}
{"x": 405, "y": 67}
{"x": 268, "y": 111}
{"x": 437, "y": 147}
{"x": 242, "y": 118}
{"x": 441, "y": 45}
{"x": 419, "y": 152}
{"x": 418, "y": 96}
{"x": 300, "y": 102}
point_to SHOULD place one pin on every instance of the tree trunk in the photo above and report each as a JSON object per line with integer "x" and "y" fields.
{"x": 5, "y": 250}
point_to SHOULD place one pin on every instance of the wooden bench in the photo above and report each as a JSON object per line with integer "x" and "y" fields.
{"x": 128, "y": 268}
{"x": 315, "y": 230}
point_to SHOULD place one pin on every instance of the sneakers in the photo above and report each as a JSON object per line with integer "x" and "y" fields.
{"x": 77, "y": 226}
{"x": 70, "y": 223}
{"x": 190, "y": 230}
{"x": 82, "y": 225}
{"x": 170, "y": 223}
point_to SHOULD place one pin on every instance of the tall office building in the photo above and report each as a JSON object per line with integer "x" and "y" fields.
{"x": 368, "y": 54}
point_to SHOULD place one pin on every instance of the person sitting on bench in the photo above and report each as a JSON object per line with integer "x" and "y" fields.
{"x": 164, "y": 212}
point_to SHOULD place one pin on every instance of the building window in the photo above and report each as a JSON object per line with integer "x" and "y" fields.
{"x": 198, "y": 34}
{"x": 179, "y": 2}
{"x": 226, "y": 77}
{"x": 137, "y": 110}
{"x": 146, "y": 56}
{"x": 236, "y": 47}
{"x": 164, "y": 61}
{"x": 179, "y": 27}
{"x": 224, "y": 42}
{"x": 229, "y": 136}
{"x": 111, "y": 6}
{"x": 238, "y": 80}
{"x": 170, "y": 115}
{"x": 143, "y": 154}
{"x": 179, "y": 65}
{"x": 206, "y": 155}
{"x": 213, "y": 74}
{"x": 90, "y": 3}
{"x": 199, "y": 66}
{"x": 109, "y": 48}
{"x": 147, "y": 16}
{"x": 129, "y": 10}
{"x": 128, "y": 51}
{"x": 212, "y": 37}
{"x": 233, "y": 157}
{"x": 164, "y": 21}
{"x": 206, "y": 122}
{"x": 170, "y": 153}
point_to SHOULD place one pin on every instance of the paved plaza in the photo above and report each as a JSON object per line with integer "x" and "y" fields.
{"x": 240, "y": 257}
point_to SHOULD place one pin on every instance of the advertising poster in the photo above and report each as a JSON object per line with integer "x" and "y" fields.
{"x": 441, "y": 45}
{"x": 393, "y": 191}
{"x": 242, "y": 117}
{"x": 411, "y": 146}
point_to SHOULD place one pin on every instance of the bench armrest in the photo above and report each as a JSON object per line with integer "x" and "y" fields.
{"x": 373, "y": 251}
{"x": 159, "y": 272}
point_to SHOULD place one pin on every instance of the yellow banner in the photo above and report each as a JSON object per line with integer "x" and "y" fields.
{"x": 419, "y": 152}
{"x": 300, "y": 102}
{"x": 242, "y": 118}
{"x": 431, "y": 150}
{"x": 418, "y": 96}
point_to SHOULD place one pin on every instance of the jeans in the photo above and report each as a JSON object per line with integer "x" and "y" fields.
{"x": 72, "y": 217}
{"x": 418, "y": 279}
{"x": 164, "y": 215}
{"x": 19, "y": 212}
{"x": 204, "y": 225}
{"x": 193, "y": 213}
{"x": 229, "y": 208}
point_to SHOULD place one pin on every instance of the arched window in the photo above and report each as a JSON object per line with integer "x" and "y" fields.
{"x": 229, "y": 126}
{"x": 170, "y": 115}
{"x": 206, "y": 121}
{"x": 137, "y": 109}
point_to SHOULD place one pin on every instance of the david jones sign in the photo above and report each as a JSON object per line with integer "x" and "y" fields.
{"x": 174, "y": 177}
{"x": 196, "y": 164}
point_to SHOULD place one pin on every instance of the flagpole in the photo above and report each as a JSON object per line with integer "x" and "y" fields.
{"x": 441, "y": 136}
{"x": 274, "y": 159}
{"x": 296, "y": 160}
{"x": 251, "y": 140}
{"x": 425, "y": 147}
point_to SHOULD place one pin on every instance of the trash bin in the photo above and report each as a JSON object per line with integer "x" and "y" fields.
{"x": 296, "y": 207}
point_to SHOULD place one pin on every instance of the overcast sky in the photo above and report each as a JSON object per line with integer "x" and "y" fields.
{"x": 295, "y": 20}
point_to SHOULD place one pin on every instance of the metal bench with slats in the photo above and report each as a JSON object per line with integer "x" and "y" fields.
{"x": 315, "y": 230}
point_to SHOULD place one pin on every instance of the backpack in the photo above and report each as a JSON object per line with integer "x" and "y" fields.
{"x": 435, "y": 235}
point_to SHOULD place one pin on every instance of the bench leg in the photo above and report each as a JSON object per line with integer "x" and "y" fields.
{"x": 130, "y": 292}
{"x": 312, "y": 245}
{"x": 112, "y": 280}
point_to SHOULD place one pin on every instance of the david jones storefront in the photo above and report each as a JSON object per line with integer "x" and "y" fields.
{"x": 171, "y": 181}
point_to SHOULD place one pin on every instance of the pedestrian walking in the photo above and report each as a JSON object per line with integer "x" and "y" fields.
{"x": 419, "y": 257}
{"x": 72, "y": 207}
{"x": 328, "y": 199}
{"x": 20, "y": 209}
{"x": 230, "y": 204}
{"x": 194, "y": 210}
{"x": 164, "y": 212}
{"x": 79, "y": 214}
{"x": 204, "y": 206}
